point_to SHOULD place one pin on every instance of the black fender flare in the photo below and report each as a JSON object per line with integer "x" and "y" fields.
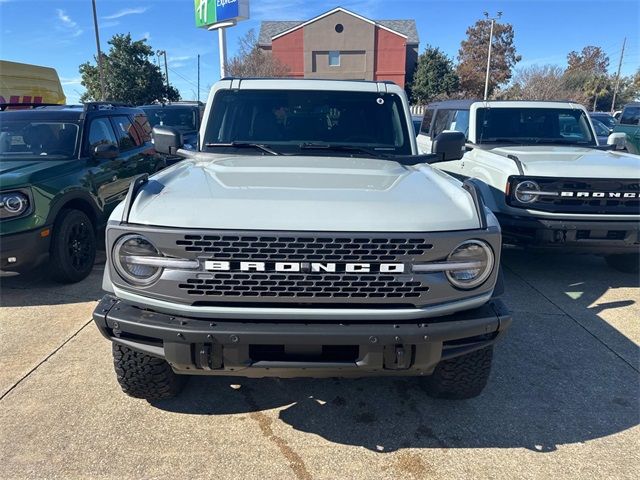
{"x": 75, "y": 195}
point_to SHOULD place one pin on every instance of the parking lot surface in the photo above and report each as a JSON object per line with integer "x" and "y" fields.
{"x": 563, "y": 400}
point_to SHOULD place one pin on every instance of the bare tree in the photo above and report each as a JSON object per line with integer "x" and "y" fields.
{"x": 252, "y": 61}
{"x": 540, "y": 82}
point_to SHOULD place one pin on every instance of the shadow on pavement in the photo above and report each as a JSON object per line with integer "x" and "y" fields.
{"x": 36, "y": 288}
{"x": 553, "y": 383}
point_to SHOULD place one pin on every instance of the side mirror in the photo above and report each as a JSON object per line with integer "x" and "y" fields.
{"x": 105, "y": 151}
{"x": 167, "y": 140}
{"x": 449, "y": 146}
{"x": 619, "y": 139}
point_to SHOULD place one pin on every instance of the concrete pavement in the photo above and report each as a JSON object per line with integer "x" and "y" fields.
{"x": 563, "y": 400}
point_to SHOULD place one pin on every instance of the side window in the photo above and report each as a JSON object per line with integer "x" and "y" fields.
{"x": 441, "y": 122}
{"x": 101, "y": 133}
{"x": 128, "y": 137}
{"x": 460, "y": 122}
{"x": 630, "y": 116}
{"x": 426, "y": 121}
{"x": 142, "y": 125}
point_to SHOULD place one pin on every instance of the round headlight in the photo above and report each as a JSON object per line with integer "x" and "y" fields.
{"x": 13, "y": 204}
{"x": 525, "y": 192}
{"x": 124, "y": 252}
{"x": 476, "y": 261}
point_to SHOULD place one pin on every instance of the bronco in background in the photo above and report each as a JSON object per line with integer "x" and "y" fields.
{"x": 306, "y": 237}
{"x": 544, "y": 175}
{"x": 62, "y": 171}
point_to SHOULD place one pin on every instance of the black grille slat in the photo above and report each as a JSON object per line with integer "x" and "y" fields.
{"x": 304, "y": 248}
{"x": 307, "y": 286}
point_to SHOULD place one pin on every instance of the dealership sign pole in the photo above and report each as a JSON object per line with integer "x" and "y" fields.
{"x": 218, "y": 15}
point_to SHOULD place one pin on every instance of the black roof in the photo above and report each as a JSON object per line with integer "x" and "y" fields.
{"x": 72, "y": 112}
{"x": 174, "y": 104}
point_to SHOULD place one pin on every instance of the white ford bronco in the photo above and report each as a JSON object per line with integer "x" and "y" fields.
{"x": 541, "y": 171}
{"x": 305, "y": 237}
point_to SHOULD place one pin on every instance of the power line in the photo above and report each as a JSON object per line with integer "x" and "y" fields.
{"x": 190, "y": 82}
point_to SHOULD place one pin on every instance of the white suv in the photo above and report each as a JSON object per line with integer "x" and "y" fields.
{"x": 542, "y": 172}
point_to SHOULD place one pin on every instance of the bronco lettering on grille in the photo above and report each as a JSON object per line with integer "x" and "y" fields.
{"x": 599, "y": 194}
{"x": 314, "y": 267}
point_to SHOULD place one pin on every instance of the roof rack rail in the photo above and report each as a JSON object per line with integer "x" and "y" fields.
{"x": 96, "y": 105}
{"x": 4, "y": 106}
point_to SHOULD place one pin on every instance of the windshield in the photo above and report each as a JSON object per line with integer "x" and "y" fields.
{"x": 608, "y": 120}
{"x": 293, "y": 121}
{"x": 181, "y": 118}
{"x": 600, "y": 128}
{"x": 533, "y": 125}
{"x": 23, "y": 138}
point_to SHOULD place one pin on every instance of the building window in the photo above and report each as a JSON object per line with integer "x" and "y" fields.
{"x": 334, "y": 59}
{"x": 339, "y": 28}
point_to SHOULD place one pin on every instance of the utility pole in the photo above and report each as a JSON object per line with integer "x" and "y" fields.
{"x": 486, "y": 80}
{"x": 198, "y": 77}
{"x": 615, "y": 90}
{"x": 100, "y": 69}
{"x": 166, "y": 68}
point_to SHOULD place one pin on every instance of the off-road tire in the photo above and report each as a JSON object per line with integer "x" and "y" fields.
{"x": 73, "y": 247}
{"x": 144, "y": 376}
{"x": 461, "y": 377}
{"x": 624, "y": 262}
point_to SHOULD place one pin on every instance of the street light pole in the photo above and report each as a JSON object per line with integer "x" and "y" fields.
{"x": 100, "y": 69}
{"x": 486, "y": 80}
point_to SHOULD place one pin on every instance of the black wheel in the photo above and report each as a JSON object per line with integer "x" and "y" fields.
{"x": 144, "y": 376}
{"x": 73, "y": 247}
{"x": 624, "y": 262}
{"x": 461, "y": 377}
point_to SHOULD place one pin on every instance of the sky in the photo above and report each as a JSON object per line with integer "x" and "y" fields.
{"x": 60, "y": 33}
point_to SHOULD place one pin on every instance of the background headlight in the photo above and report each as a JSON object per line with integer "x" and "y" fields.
{"x": 13, "y": 204}
{"x": 525, "y": 192}
{"x": 476, "y": 259}
{"x": 135, "y": 273}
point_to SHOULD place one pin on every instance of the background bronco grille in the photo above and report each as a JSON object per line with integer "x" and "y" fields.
{"x": 297, "y": 285}
{"x": 605, "y": 205}
{"x": 326, "y": 249}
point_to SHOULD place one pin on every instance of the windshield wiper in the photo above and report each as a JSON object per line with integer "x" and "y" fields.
{"x": 257, "y": 146}
{"x": 343, "y": 148}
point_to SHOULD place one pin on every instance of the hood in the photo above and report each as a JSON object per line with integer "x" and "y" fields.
{"x": 19, "y": 173}
{"x": 304, "y": 194}
{"x": 573, "y": 162}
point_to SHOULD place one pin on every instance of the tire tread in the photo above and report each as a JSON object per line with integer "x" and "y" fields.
{"x": 144, "y": 376}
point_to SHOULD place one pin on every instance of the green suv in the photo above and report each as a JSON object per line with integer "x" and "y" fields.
{"x": 629, "y": 124}
{"x": 62, "y": 171}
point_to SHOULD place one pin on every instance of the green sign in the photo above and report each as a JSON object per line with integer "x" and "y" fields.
{"x": 209, "y": 12}
{"x": 205, "y": 12}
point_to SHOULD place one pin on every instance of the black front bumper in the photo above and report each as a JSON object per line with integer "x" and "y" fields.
{"x": 288, "y": 349}
{"x": 602, "y": 237}
{"x": 21, "y": 252}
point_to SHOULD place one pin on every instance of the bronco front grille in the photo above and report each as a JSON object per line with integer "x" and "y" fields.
{"x": 309, "y": 286}
{"x": 335, "y": 285}
{"x": 589, "y": 195}
{"x": 307, "y": 248}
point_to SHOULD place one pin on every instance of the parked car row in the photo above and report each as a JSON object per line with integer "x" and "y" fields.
{"x": 308, "y": 205}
